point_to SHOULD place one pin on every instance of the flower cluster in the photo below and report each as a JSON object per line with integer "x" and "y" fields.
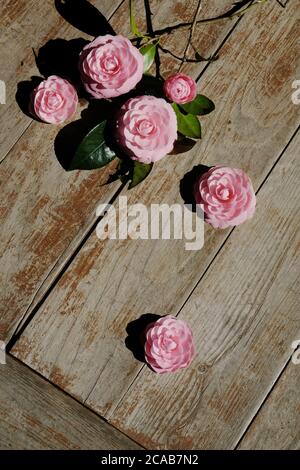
{"x": 110, "y": 66}
{"x": 143, "y": 129}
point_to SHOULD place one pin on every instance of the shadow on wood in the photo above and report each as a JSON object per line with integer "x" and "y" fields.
{"x": 23, "y": 96}
{"x": 187, "y": 184}
{"x": 84, "y": 16}
{"x": 60, "y": 57}
{"x": 135, "y": 340}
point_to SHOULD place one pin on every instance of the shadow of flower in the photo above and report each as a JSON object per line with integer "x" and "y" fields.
{"x": 84, "y": 16}
{"x": 60, "y": 57}
{"x": 23, "y": 95}
{"x": 135, "y": 340}
{"x": 187, "y": 184}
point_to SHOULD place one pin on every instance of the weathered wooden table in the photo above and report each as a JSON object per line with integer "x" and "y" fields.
{"x": 67, "y": 297}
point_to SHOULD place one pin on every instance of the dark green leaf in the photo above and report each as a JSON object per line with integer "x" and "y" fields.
{"x": 148, "y": 52}
{"x": 92, "y": 152}
{"x": 187, "y": 124}
{"x": 200, "y": 106}
{"x": 140, "y": 171}
{"x": 182, "y": 144}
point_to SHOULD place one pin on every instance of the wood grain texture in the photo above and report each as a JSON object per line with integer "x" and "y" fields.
{"x": 43, "y": 209}
{"x": 45, "y": 212}
{"x": 244, "y": 315}
{"x": 114, "y": 282}
{"x": 165, "y": 13}
{"x": 22, "y": 33}
{"x": 277, "y": 425}
{"x": 35, "y": 415}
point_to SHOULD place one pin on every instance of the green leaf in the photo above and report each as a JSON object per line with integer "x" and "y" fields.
{"x": 187, "y": 124}
{"x": 199, "y": 106}
{"x": 182, "y": 145}
{"x": 140, "y": 171}
{"x": 148, "y": 52}
{"x": 133, "y": 25}
{"x": 92, "y": 152}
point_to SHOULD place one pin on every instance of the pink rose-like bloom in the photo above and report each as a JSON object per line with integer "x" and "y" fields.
{"x": 54, "y": 100}
{"x": 146, "y": 128}
{"x": 110, "y": 66}
{"x": 226, "y": 196}
{"x": 169, "y": 345}
{"x": 180, "y": 88}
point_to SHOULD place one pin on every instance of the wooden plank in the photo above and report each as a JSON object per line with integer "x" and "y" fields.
{"x": 35, "y": 415}
{"x": 244, "y": 315}
{"x": 46, "y": 212}
{"x": 114, "y": 282}
{"x": 21, "y": 25}
{"x": 22, "y": 31}
{"x": 206, "y": 40}
{"x": 277, "y": 425}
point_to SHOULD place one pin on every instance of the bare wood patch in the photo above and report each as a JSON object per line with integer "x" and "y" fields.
{"x": 35, "y": 415}
{"x": 244, "y": 315}
{"x": 277, "y": 426}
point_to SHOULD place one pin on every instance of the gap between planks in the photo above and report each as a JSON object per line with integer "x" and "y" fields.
{"x": 263, "y": 403}
{"x": 106, "y": 435}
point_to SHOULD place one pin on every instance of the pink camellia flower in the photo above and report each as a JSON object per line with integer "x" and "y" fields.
{"x": 226, "y": 196}
{"x": 169, "y": 345}
{"x": 146, "y": 128}
{"x": 180, "y": 88}
{"x": 110, "y": 66}
{"x": 54, "y": 100}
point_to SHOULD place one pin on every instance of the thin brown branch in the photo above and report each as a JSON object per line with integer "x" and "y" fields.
{"x": 182, "y": 59}
{"x": 186, "y": 50}
{"x": 226, "y": 16}
{"x": 238, "y": 10}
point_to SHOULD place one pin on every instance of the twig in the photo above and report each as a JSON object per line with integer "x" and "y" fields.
{"x": 169, "y": 29}
{"x": 236, "y": 11}
{"x": 183, "y": 59}
{"x": 186, "y": 50}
